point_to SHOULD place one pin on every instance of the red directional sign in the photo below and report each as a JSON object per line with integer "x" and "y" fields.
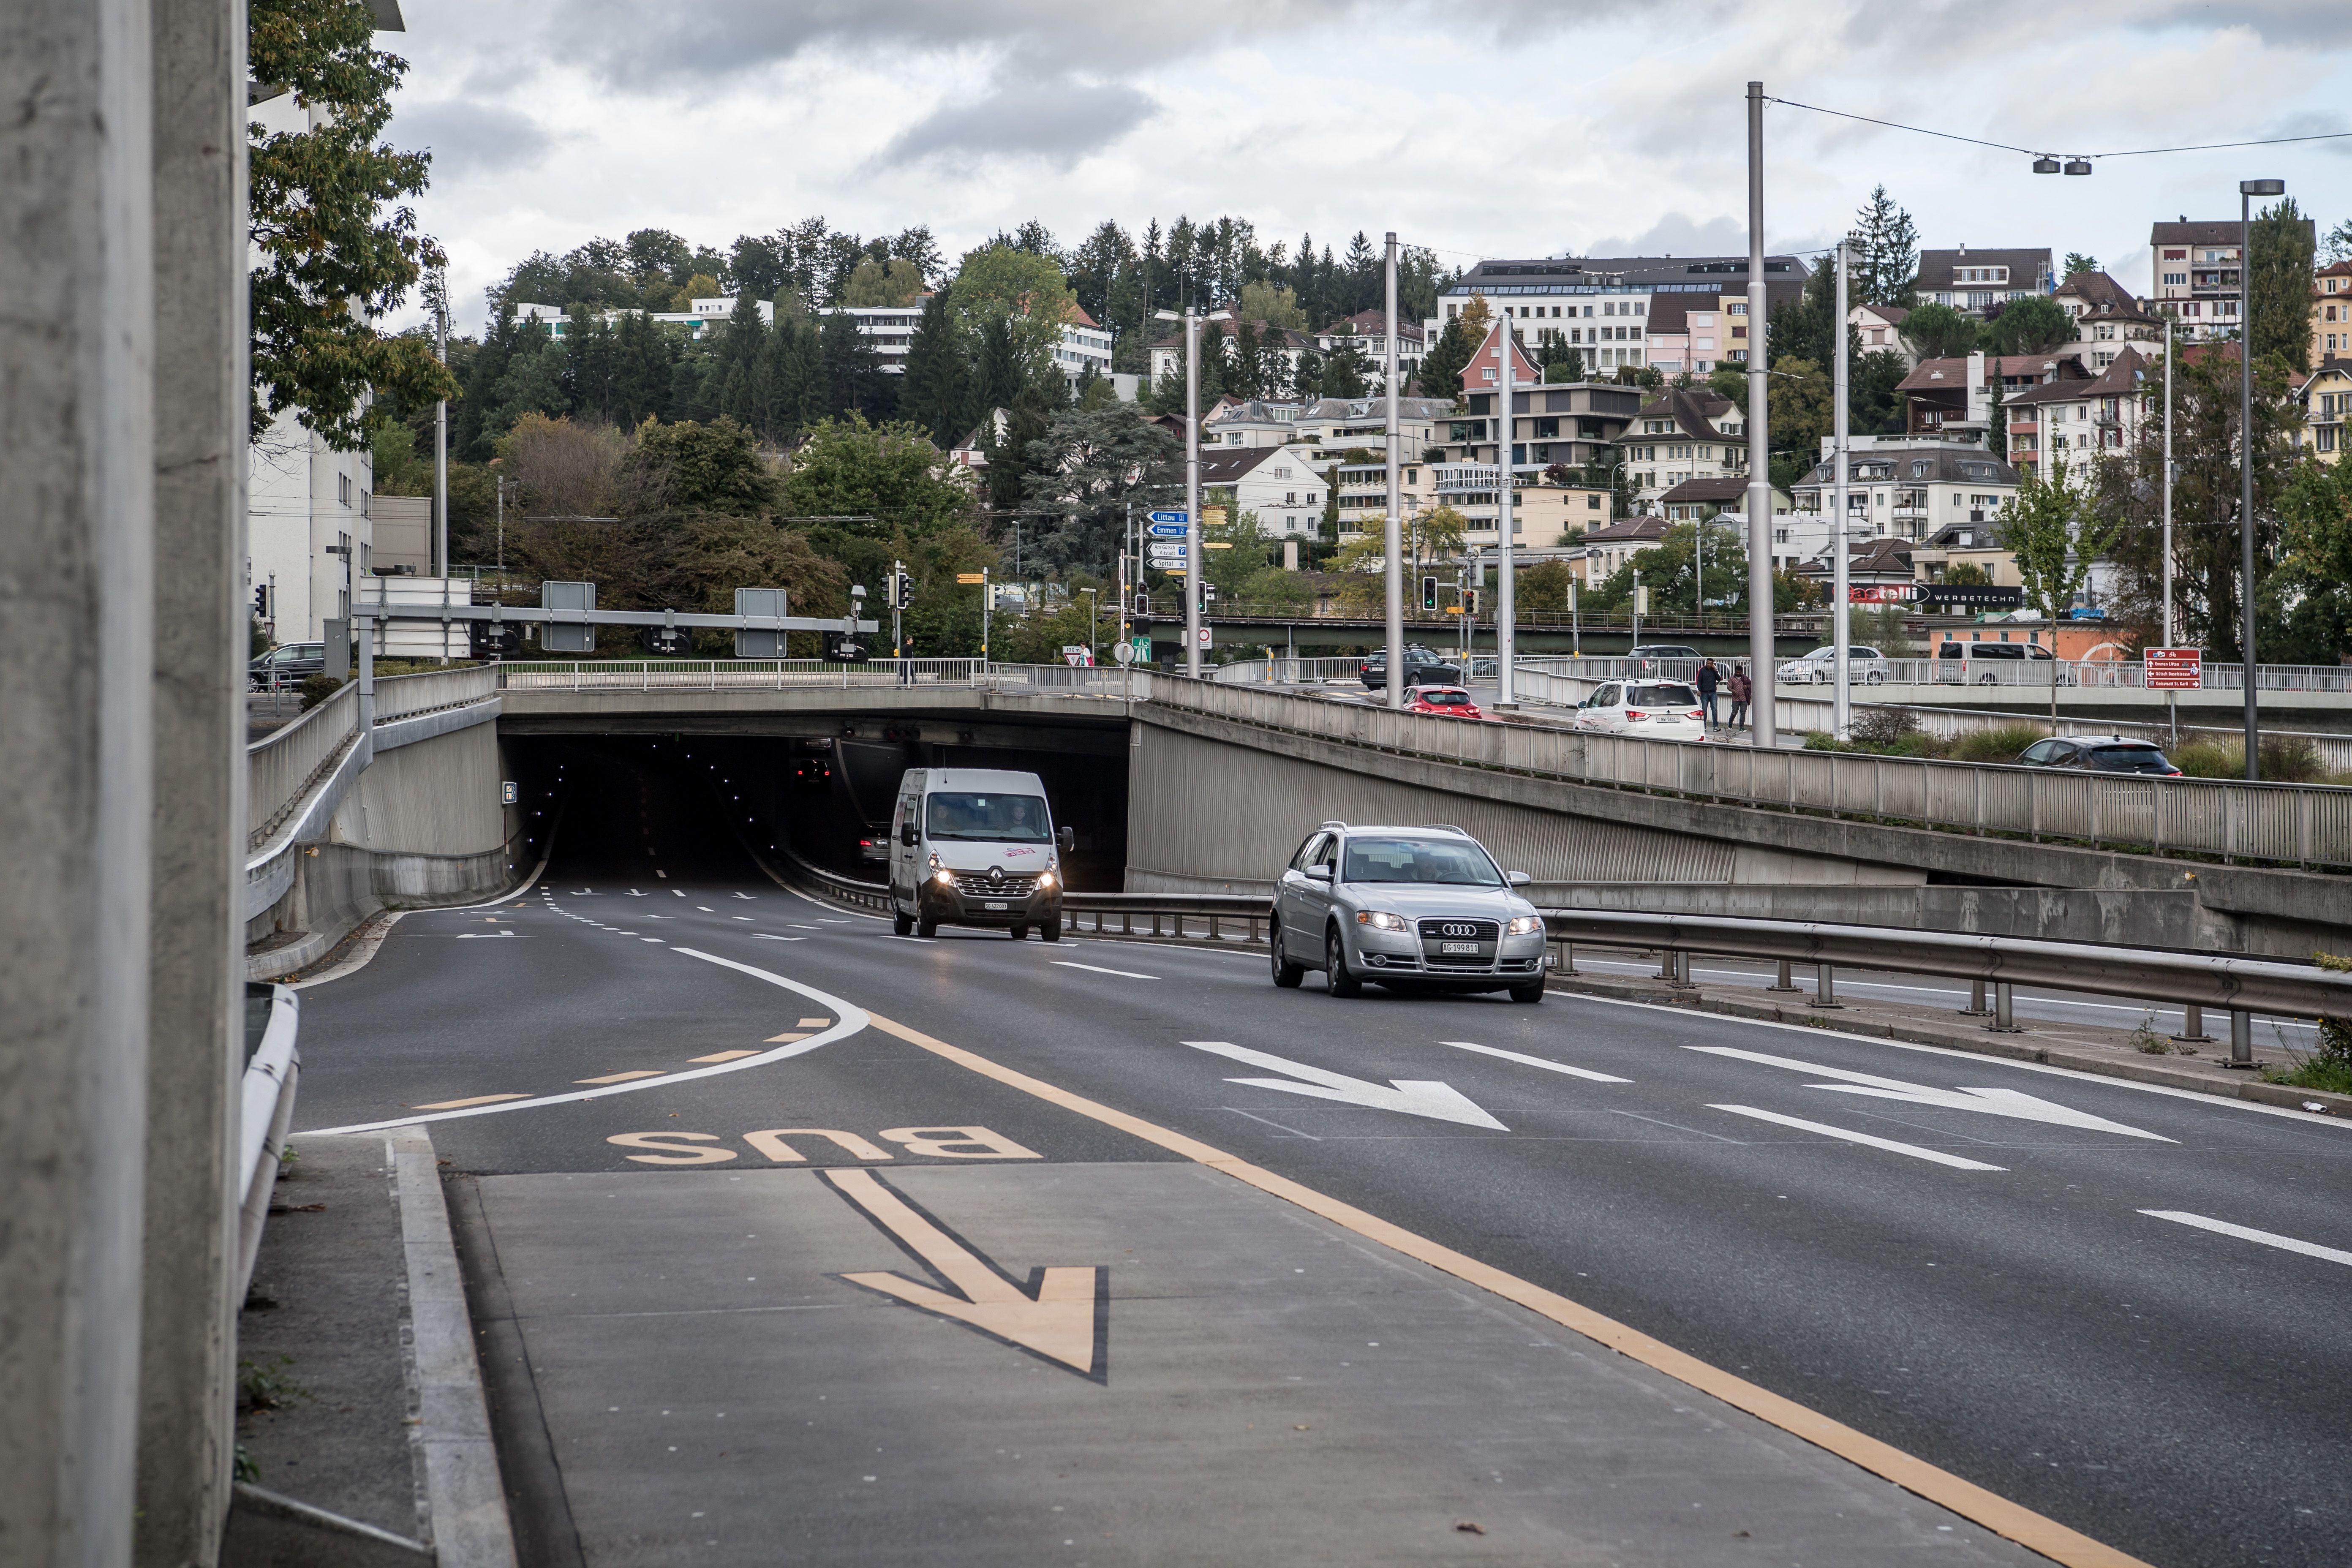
{"x": 2173, "y": 668}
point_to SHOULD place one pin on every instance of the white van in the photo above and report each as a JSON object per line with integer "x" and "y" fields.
{"x": 975, "y": 847}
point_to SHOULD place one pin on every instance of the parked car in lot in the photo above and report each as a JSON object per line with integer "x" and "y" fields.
{"x": 1450, "y": 701}
{"x": 1865, "y": 665}
{"x": 292, "y": 663}
{"x": 1991, "y": 663}
{"x": 1423, "y": 666}
{"x": 2099, "y": 754}
{"x": 1647, "y": 710}
{"x": 1408, "y": 909}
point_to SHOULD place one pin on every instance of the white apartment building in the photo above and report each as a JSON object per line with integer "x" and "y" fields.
{"x": 1275, "y": 482}
{"x": 1880, "y": 327}
{"x": 1907, "y": 488}
{"x": 2077, "y": 421}
{"x": 1973, "y": 281}
{"x": 1682, "y": 435}
{"x": 1602, "y": 306}
{"x": 2195, "y": 272}
{"x": 2106, "y": 318}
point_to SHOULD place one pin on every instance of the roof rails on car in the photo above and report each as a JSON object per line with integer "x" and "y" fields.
{"x": 1443, "y": 827}
{"x": 1320, "y": 829}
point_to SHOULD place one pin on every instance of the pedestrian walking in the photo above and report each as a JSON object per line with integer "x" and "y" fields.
{"x": 1741, "y": 688}
{"x": 1709, "y": 678}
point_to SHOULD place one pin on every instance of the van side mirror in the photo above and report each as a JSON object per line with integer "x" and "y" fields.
{"x": 1068, "y": 838}
{"x": 907, "y": 835}
{"x": 1518, "y": 879}
{"x": 1318, "y": 873}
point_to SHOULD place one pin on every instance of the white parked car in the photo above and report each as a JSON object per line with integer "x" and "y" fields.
{"x": 1646, "y": 709}
{"x": 1863, "y": 664}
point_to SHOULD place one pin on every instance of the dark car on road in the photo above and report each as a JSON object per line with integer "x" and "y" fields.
{"x": 292, "y": 663}
{"x": 2099, "y": 754}
{"x": 1423, "y": 666}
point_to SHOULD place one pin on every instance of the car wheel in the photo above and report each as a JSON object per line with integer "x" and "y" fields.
{"x": 1337, "y": 980}
{"x": 1286, "y": 974}
{"x": 927, "y": 929}
{"x": 1050, "y": 929}
{"x": 1021, "y": 933}
{"x": 1874, "y": 678}
{"x": 901, "y": 925}
{"x": 1531, "y": 992}
{"x": 1988, "y": 680}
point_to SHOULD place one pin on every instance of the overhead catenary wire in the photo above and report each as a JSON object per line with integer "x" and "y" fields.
{"x": 2044, "y": 152}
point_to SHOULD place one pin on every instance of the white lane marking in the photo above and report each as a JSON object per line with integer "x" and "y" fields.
{"x": 736, "y": 917}
{"x": 1978, "y": 1058}
{"x": 2247, "y": 1233}
{"x": 797, "y": 926}
{"x": 1293, "y": 1131}
{"x": 747, "y": 895}
{"x": 649, "y": 939}
{"x": 893, "y": 936}
{"x": 831, "y": 922}
{"x": 680, "y": 891}
{"x": 763, "y": 936}
{"x": 1546, "y": 1064}
{"x": 1409, "y": 1097}
{"x": 849, "y": 1020}
{"x": 479, "y": 935}
{"x": 1889, "y": 1144}
{"x": 706, "y": 910}
{"x": 1098, "y": 968}
{"x": 1991, "y": 1101}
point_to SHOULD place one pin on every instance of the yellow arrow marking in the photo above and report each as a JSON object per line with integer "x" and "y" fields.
{"x": 1063, "y": 1321}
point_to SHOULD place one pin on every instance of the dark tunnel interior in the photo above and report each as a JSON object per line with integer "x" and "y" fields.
{"x": 716, "y": 806}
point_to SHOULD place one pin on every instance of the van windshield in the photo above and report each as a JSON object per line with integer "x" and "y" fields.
{"x": 987, "y": 819}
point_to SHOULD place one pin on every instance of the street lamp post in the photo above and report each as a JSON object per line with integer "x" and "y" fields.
{"x": 1193, "y": 576}
{"x": 2171, "y": 704}
{"x": 1841, "y": 589}
{"x": 1763, "y": 715}
{"x": 1392, "y": 525}
{"x": 1506, "y": 408}
{"x": 2247, "y": 191}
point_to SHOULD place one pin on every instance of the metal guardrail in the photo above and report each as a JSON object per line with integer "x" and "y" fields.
{"x": 399, "y": 696}
{"x": 2333, "y": 751}
{"x": 266, "y": 1109}
{"x": 2031, "y": 674}
{"x": 1170, "y": 914}
{"x": 2301, "y": 824}
{"x": 779, "y": 674}
{"x": 281, "y": 767}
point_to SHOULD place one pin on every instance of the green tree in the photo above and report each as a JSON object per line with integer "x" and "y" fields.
{"x": 1088, "y": 471}
{"x": 1889, "y": 262}
{"x": 1939, "y": 331}
{"x": 937, "y": 391}
{"x": 890, "y": 473}
{"x": 1271, "y": 302}
{"x": 1876, "y": 406}
{"x": 2339, "y": 242}
{"x": 890, "y": 282}
{"x": 1021, "y": 289}
{"x": 1798, "y": 399}
{"x": 1442, "y": 367}
{"x": 2308, "y": 618}
{"x": 328, "y": 262}
{"x": 2076, "y": 264}
{"x": 2056, "y": 534}
{"x": 2033, "y": 325}
{"x": 2280, "y": 285}
{"x": 853, "y": 378}
{"x": 1806, "y": 327}
{"x": 699, "y": 286}
{"x": 708, "y": 468}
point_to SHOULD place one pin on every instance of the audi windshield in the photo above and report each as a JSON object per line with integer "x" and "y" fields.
{"x": 987, "y": 819}
{"x": 1431, "y": 862}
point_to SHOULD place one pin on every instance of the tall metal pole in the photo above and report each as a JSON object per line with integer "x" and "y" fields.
{"x": 1761, "y": 712}
{"x": 1506, "y": 633}
{"x": 1392, "y": 526}
{"x": 2171, "y": 702}
{"x": 1841, "y": 589}
{"x": 1193, "y": 576}
{"x": 1126, "y": 549}
{"x": 441, "y": 433}
{"x": 2246, "y": 189}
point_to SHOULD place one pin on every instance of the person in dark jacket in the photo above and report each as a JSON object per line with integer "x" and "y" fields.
{"x": 1741, "y": 688}
{"x": 1709, "y": 678}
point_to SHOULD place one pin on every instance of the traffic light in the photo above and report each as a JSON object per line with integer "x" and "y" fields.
{"x": 902, "y": 590}
{"x": 261, "y": 603}
{"x": 1470, "y": 602}
{"x": 1429, "y": 592}
{"x": 1142, "y": 603}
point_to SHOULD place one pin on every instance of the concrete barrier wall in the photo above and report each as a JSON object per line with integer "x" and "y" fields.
{"x": 1206, "y": 815}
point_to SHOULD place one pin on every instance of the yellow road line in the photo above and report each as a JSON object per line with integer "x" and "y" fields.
{"x": 785, "y": 1039}
{"x": 1970, "y": 1501}
{"x": 461, "y": 1104}
{"x": 620, "y": 1077}
{"x": 814, "y": 1023}
{"x": 738, "y": 1056}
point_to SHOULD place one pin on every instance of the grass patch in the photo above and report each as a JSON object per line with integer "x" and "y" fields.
{"x": 2281, "y": 759}
{"x": 2329, "y": 1067}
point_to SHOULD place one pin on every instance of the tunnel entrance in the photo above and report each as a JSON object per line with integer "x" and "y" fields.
{"x": 714, "y": 806}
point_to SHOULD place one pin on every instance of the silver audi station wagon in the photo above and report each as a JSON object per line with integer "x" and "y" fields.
{"x": 1405, "y": 906}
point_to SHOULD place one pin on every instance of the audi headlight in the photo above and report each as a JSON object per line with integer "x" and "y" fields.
{"x": 1378, "y": 919}
{"x": 1526, "y": 925}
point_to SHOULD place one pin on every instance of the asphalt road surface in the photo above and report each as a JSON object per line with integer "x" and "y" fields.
{"x": 723, "y": 1145}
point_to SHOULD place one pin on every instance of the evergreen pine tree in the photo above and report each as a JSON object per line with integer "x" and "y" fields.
{"x": 997, "y": 375}
{"x": 641, "y": 381}
{"x": 938, "y": 382}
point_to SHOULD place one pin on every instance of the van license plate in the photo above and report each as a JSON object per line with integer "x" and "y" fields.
{"x": 1469, "y": 947}
{"x": 999, "y": 905}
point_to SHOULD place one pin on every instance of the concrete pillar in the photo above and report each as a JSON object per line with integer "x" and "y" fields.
{"x": 77, "y": 465}
{"x": 196, "y": 1056}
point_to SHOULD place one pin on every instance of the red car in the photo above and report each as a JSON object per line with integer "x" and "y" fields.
{"x": 1449, "y": 700}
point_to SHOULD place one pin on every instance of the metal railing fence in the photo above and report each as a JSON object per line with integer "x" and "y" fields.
{"x": 281, "y": 766}
{"x": 398, "y": 695}
{"x": 785, "y": 674}
{"x": 2031, "y": 674}
{"x": 2301, "y": 824}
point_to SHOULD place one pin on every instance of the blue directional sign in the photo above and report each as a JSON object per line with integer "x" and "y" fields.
{"x": 1168, "y": 531}
{"x": 1169, "y": 516}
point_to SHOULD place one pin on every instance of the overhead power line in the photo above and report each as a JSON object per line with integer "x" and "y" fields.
{"x": 2045, "y": 152}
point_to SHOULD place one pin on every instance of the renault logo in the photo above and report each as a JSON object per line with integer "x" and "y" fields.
{"x": 1457, "y": 930}
{"x": 996, "y": 873}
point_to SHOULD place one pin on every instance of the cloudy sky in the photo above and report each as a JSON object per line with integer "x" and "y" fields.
{"x": 1478, "y": 128}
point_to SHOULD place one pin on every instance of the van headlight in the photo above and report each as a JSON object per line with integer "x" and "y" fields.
{"x": 1045, "y": 879}
{"x": 946, "y": 877}
{"x": 1378, "y": 919}
{"x": 1525, "y": 925}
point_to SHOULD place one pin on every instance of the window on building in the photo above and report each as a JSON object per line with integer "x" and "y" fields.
{"x": 343, "y": 489}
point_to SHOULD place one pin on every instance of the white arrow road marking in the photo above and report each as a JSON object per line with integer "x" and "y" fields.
{"x": 747, "y": 895}
{"x": 2246, "y": 1232}
{"x": 1545, "y": 1063}
{"x": 1062, "y": 1318}
{"x": 635, "y": 894}
{"x": 1412, "y": 1097}
{"x": 1991, "y": 1101}
{"x": 1917, "y": 1153}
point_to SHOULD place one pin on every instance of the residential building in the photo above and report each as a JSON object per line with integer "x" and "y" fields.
{"x": 1600, "y": 306}
{"x": 1363, "y": 492}
{"x": 1880, "y": 327}
{"x": 2331, "y": 312}
{"x": 1279, "y": 348}
{"x": 2106, "y": 318}
{"x": 1255, "y": 422}
{"x": 1334, "y": 426}
{"x": 1697, "y": 500}
{"x": 1681, "y": 435}
{"x": 1609, "y": 549}
{"x": 1973, "y": 281}
{"x": 1084, "y": 346}
{"x": 2195, "y": 272}
{"x": 1275, "y": 482}
{"x": 1952, "y": 398}
{"x": 2325, "y": 398}
{"x": 2074, "y": 420}
{"x": 1869, "y": 563}
{"x": 1576, "y": 423}
{"x": 1900, "y": 487}
{"x": 1368, "y": 329}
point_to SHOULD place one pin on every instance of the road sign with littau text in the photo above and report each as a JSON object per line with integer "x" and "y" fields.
{"x": 1176, "y": 517}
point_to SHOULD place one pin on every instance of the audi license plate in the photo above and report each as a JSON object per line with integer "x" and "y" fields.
{"x": 997, "y": 904}
{"x": 1469, "y": 947}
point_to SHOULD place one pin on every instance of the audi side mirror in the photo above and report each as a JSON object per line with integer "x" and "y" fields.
{"x": 1518, "y": 879}
{"x": 1318, "y": 873}
{"x": 1068, "y": 838}
{"x": 908, "y": 835}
